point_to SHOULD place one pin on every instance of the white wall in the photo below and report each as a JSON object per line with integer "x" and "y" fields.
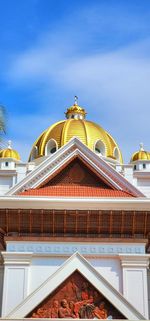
{"x": 110, "y": 269}
{"x": 6, "y": 183}
{"x": 41, "y": 269}
{"x": 135, "y": 285}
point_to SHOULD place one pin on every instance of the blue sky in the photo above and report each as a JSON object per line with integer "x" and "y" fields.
{"x": 51, "y": 50}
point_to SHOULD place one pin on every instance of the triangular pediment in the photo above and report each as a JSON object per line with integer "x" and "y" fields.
{"x": 82, "y": 300}
{"x": 77, "y": 172}
{"x": 51, "y": 288}
{"x": 56, "y": 163}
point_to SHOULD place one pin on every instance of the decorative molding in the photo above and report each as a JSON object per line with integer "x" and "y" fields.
{"x": 70, "y": 248}
{"x": 17, "y": 258}
{"x": 135, "y": 261}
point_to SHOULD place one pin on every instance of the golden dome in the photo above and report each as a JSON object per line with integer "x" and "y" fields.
{"x": 9, "y": 152}
{"x": 90, "y": 133}
{"x": 140, "y": 155}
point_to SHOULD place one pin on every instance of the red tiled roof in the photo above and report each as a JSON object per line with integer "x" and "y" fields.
{"x": 75, "y": 191}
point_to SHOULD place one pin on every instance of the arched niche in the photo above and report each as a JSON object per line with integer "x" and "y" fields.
{"x": 51, "y": 147}
{"x": 116, "y": 154}
{"x": 34, "y": 153}
{"x": 100, "y": 148}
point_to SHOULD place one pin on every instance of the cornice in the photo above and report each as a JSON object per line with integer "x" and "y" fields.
{"x": 135, "y": 261}
{"x": 17, "y": 258}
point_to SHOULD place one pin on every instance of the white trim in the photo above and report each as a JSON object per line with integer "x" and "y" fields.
{"x": 94, "y": 249}
{"x": 135, "y": 260}
{"x": 78, "y": 203}
{"x": 104, "y": 146}
{"x": 76, "y": 262}
{"x": 46, "y": 146}
{"x": 17, "y": 258}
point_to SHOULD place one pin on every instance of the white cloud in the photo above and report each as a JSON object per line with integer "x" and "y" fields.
{"x": 117, "y": 82}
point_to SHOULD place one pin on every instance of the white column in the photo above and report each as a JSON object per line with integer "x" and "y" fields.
{"x": 135, "y": 287}
{"x": 15, "y": 289}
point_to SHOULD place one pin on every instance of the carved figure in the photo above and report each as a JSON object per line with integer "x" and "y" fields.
{"x": 54, "y": 309}
{"x": 64, "y": 311}
{"x": 101, "y": 312}
{"x": 41, "y": 313}
{"x": 72, "y": 310}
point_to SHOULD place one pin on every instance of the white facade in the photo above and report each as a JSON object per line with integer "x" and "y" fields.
{"x": 27, "y": 272}
{"x": 31, "y": 270}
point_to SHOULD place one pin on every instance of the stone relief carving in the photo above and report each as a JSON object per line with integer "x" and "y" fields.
{"x": 76, "y": 298}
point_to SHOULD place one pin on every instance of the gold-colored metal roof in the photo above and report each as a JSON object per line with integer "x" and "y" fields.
{"x": 140, "y": 155}
{"x": 88, "y": 132}
{"x": 9, "y": 152}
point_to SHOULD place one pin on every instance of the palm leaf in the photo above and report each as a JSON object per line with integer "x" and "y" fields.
{"x": 2, "y": 120}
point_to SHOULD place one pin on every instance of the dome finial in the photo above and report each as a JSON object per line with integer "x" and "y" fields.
{"x": 141, "y": 146}
{"x": 75, "y": 111}
{"x": 76, "y": 100}
{"x": 9, "y": 144}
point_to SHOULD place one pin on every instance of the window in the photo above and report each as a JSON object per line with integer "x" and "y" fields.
{"x": 134, "y": 167}
{"x": 6, "y": 164}
{"x": 51, "y": 147}
{"x": 144, "y": 166}
{"x": 100, "y": 148}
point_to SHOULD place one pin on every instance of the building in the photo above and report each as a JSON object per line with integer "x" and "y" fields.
{"x": 74, "y": 226}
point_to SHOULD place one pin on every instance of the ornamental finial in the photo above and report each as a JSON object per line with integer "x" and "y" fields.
{"x": 9, "y": 144}
{"x": 141, "y": 146}
{"x": 75, "y": 100}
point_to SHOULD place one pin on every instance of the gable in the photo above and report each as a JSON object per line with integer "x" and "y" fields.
{"x": 77, "y": 173}
{"x": 76, "y": 263}
{"x": 76, "y": 178}
{"x": 82, "y": 298}
{"x": 74, "y": 148}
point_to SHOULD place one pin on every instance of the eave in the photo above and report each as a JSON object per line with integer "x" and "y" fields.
{"x": 138, "y": 204}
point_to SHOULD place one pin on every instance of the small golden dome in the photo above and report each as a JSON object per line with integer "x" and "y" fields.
{"x": 140, "y": 155}
{"x": 90, "y": 133}
{"x": 9, "y": 152}
{"x": 75, "y": 111}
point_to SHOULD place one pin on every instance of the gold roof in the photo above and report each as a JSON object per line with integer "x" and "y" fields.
{"x": 87, "y": 131}
{"x": 140, "y": 155}
{"x": 9, "y": 152}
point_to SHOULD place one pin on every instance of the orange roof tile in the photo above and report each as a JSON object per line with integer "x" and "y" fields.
{"x": 75, "y": 191}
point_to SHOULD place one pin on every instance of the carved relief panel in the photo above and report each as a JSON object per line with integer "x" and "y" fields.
{"x": 76, "y": 298}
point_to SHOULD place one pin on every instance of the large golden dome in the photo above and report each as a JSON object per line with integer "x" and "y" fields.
{"x": 90, "y": 133}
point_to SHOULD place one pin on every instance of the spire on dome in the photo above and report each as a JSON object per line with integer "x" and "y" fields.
{"x": 9, "y": 144}
{"x": 76, "y": 100}
{"x": 75, "y": 111}
{"x": 141, "y": 146}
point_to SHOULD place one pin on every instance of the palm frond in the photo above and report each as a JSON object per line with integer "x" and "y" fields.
{"x": 2, "y": 120}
